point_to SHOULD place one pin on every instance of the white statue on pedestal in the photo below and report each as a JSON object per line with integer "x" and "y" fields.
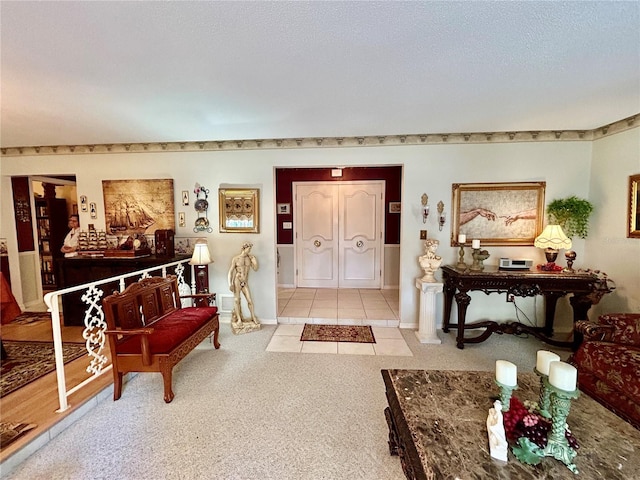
{"x": 238, "y": 284}
{"x": 495, "y": 428}
{"x": 430, "y": 262}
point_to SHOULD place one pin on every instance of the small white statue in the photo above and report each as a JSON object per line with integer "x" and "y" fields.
{"x": 238, "y": 284}
{"x": 495, "y": 428}
{"x": 430, "y": 262}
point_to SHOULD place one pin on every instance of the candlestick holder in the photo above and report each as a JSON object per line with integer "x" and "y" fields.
{"x": 545, "y": 393}
{"x": 505, "y": 394}
{"x": 461, "y": 263}
{"x": 557, "y": 444}
{"x": 478, "y": 257}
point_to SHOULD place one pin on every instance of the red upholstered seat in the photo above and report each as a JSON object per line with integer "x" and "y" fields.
{"x": 169, "y": 331}
{"x": 608, "y": 363}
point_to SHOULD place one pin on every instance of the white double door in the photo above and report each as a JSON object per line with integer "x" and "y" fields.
{"x": 338, "y": 239}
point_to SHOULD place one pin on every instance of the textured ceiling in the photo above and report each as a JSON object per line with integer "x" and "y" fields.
{"x": 119, "y": 72}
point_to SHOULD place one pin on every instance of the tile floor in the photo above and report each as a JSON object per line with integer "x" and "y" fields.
{"x": 389, "y": 341}
{"x": 338, "y": 306}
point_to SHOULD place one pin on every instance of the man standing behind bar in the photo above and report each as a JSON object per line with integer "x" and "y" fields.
{"x": 70, "y": 245}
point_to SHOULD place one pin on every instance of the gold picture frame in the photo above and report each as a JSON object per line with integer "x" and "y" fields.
{"x": 498, "y": 213}
{"x": 239, "y": 210}
{"x": 633, "y": 211}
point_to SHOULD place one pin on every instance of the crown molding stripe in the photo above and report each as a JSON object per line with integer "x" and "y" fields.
{"x": 333, "y": 142}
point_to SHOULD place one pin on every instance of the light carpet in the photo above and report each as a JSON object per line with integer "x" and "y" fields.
{"x": 242, "y": 413}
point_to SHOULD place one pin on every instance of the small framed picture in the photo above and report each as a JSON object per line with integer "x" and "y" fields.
{"x": 93, "y": 210}
{"x": 284, "y": 208}
{"x": 185, "y": 197}
{"x": 182, "y": 222}
{"x": 395, "y": 207}
{"x": 84, "y": 206}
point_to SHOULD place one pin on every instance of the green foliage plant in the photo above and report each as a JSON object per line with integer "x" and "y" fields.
{"x": 572, "y": 214}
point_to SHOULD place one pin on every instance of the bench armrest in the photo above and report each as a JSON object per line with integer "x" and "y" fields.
{"x": 132, "y": 331}
{"x": 144, "y": 340}
{"x": 209, "y": 298}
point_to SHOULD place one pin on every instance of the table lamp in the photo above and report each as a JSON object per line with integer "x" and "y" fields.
{"x": 200, "y": 260}
{"x": 552, "y": 239}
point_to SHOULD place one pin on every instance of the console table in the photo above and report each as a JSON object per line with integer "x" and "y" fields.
{"x": 551, "y": 285}
{"x": 438, "y": 427}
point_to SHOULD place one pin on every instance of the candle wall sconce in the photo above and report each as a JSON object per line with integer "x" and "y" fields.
{"x": 441, "y": 215}
{"x": 424, "y": 200}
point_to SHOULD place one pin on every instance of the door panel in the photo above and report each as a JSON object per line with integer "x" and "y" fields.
{"x": 360, "y": 235}
{"x": 339, "y": 234}
{"x": 317, "y": 236}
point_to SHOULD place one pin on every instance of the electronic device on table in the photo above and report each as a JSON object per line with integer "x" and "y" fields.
{"x": 515, "y": 264}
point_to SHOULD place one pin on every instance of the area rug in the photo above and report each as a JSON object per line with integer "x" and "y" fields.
{"x": 28, "y": 361}
{"x": 337, "y": 333}
{"x": 10, "y": 432}
{"x": 27, "y": 318}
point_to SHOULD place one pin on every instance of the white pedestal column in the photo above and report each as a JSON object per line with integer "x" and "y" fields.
{"x": 427, "y": 328}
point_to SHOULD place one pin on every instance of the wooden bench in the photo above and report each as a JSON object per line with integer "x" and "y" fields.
{"x": 150, "y": 331}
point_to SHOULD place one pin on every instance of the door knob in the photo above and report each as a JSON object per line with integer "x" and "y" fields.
{"x": 317, "y": 243}
{"x": 359, "y": 243}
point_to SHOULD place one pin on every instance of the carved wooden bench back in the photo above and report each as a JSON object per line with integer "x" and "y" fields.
{"x": 142, "y": 303}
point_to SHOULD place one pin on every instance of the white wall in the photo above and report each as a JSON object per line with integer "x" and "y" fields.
{"x": 431, "y": 169}
{"x": 615, "y": 158}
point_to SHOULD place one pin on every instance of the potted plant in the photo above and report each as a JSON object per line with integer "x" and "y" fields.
{"x": 572, "y": 214}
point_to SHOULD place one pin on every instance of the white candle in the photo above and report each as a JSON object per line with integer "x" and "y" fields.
{"x": 462, "y": 238}
{"x": 475, "y": 243}
{"x": 563, "y": 376}
{"x": 506, "y": 373}
{"x": 543, "y": 359}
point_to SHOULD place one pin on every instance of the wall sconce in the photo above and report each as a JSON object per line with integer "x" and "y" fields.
{"x": 424, "y": 200}
{"x": 441, "y": 215}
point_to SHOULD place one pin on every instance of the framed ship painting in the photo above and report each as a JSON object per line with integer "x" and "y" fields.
{"x": 138, "y": 206}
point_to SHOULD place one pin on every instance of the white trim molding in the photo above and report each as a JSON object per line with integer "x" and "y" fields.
{"x": 332, "y": 142}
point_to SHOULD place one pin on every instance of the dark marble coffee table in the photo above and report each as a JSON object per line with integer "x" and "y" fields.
{"x": 437, "y": 425}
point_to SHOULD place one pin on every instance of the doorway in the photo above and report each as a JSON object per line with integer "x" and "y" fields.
{"x": 55, "y": 198}
{"x": 338, "y": 234}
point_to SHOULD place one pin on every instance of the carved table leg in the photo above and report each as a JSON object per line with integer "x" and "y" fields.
{"x": 550, "y": 300}
{"x": 449, "y": 291}
{"x": 393, "y": 435}
{"x": 462, "y": 300}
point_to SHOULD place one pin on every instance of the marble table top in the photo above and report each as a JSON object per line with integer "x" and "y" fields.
{"x": 446, "y": 413}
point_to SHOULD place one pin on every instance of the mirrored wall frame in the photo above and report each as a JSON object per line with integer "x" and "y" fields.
{"x": 239, "y": 210}
{"x": 633, "y": 212}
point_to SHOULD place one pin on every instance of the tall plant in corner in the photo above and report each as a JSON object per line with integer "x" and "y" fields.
{"x": 572, "y": 214}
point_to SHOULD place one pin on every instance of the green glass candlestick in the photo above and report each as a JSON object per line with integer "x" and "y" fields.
{"x": 505, "y": 394}
{"x": 557, "y": 443}
{"x": 545, "y": 393}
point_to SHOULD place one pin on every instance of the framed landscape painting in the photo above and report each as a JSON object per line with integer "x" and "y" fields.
{"x": 498, "y": 213}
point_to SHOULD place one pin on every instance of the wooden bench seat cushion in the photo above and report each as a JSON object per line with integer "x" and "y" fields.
{"x": 169, "y": 331}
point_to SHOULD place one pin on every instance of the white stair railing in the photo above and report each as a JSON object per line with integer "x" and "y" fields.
{"x": 95, "y": 324}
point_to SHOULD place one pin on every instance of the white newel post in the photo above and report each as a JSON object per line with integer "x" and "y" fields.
{"x": 427, "y": 328}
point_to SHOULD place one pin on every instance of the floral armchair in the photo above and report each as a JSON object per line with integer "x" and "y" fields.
{"x": 608, "y": 363}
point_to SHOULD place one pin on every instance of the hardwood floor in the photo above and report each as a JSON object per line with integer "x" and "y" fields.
{"x": 37, "y": 401}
